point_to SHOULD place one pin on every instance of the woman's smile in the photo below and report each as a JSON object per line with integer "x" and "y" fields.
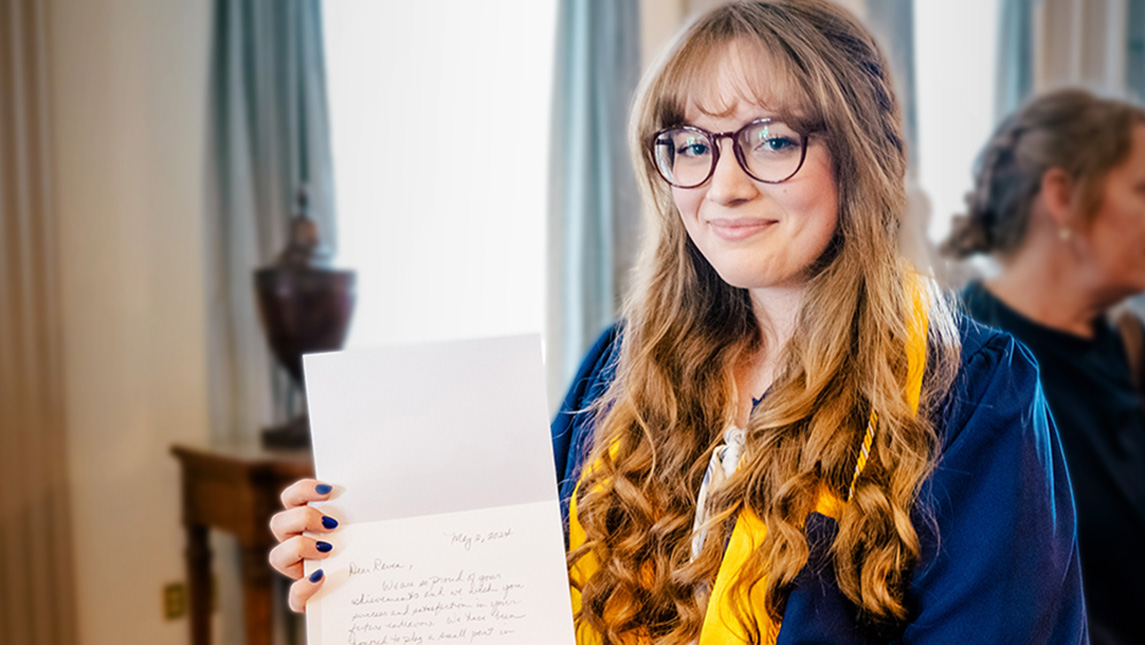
{"x": 735, "y": 229}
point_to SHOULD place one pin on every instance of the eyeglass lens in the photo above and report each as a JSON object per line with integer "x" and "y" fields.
{"x": 771, "y": 151}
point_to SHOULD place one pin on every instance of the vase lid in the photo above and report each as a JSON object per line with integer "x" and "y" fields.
{"x": 304, "y": 248}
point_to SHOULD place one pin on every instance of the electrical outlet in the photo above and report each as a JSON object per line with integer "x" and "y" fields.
{"x": 174, "y": 600}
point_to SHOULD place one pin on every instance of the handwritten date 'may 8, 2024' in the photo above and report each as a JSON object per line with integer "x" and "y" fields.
{"x": 468, "y": 540}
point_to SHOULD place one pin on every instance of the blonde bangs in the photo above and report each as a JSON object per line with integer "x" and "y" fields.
{"x": 730, "y": 55}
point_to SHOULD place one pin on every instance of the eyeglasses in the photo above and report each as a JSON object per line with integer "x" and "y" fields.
{"x": 768, "y": 150}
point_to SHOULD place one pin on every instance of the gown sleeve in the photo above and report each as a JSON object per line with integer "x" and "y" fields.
{"x": 572, "y": 427}
{"x": 1000, "y": 558}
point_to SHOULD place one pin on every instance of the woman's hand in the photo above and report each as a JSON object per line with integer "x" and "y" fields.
{"x": 293, "y": 548}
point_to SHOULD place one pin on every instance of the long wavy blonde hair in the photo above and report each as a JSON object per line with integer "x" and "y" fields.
{"x": 686, "y": 333}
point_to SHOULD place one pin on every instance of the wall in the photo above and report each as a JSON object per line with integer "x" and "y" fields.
{"x": 128, "y": 94}
{"x": 659, "y": 21}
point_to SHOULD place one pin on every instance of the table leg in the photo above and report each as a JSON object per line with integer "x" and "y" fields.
{"x": 199, "y": 583}
{"x": 257, "y": 595}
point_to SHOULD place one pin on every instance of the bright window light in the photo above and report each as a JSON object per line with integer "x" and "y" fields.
{"x": 440, "y": 121}
{"x": 955, "y": 45}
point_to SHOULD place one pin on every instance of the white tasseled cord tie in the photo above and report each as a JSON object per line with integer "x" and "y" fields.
{"x": 723, "y": 463}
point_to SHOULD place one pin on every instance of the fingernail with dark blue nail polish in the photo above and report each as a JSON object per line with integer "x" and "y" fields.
{"x": 329, "y": 522}
{"x": 323, "y": 547}
{"x": 323, "y": 489}
{"x": 316, "y": 576}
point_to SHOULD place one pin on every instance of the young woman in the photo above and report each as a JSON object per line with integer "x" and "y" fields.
{"x": 1060, "y": 203}
{"x": 789, "y": 437}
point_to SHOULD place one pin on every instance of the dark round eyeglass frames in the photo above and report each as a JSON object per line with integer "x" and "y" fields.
{"x": 767, "y": 149}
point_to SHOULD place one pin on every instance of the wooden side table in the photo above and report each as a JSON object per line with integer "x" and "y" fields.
{"x": 236, "y": 490}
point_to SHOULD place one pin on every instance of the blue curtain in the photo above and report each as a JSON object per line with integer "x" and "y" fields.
{"x": 269, "y": 136}
{"x": 594, "y": 204}
{"x": 1015, "y": 56}
{"x": 892, "y": 22}
{"x": 1135, "y": 84}
{"x": 1135, "y": 54}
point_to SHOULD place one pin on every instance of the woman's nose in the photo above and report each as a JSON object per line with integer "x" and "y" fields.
{"x": 729, "y": 183}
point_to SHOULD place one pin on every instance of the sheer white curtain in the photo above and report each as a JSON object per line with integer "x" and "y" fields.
{"x": 955, "y": 63}
{"x": 440, "y": 122}
{"x": 1080, "y": 43}
{"x": 1045, "y": 44}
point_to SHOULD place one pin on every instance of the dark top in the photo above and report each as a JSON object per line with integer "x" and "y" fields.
{"x": 1102, "y": 425}
{"x": 1002, "y": 567}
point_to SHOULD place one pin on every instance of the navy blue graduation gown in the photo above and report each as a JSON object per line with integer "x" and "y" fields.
{"x": 999, "y": 561}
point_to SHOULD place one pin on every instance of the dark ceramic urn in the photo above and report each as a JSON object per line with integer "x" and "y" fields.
{"x": 305, "y": 305}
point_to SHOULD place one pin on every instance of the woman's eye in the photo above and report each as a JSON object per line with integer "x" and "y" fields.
{"x": 777, "y": 144}
{"x": 693, "y": 149}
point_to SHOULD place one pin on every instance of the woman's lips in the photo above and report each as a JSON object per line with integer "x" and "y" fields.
{"x": 734, "y": 230}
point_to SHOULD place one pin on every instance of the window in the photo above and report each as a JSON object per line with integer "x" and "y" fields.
{"x": 439, "y": 113}
{"x": 955, "y": 45}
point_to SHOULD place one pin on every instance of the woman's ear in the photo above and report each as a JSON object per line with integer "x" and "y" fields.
{"x": 1058, "y": 195}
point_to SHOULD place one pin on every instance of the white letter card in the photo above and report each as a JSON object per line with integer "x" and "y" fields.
{"x": 445, "y": 491}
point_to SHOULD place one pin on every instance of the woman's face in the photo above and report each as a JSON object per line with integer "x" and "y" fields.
{"x": 1116, "y": 235}
{"x": 756, "y": 235}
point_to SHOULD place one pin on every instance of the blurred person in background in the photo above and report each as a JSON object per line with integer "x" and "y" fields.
{"x": 1059, "y": 203}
